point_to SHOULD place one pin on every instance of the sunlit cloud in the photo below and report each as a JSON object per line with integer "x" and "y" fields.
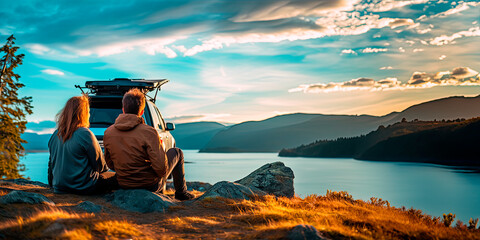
{"x": 38, "y": 49}
{"x": 374, "y": 50}
{"x": 459, "y": 8}
{"x": 149, "y": 46}
{"x": 268, "y": 10}
{"x": 460, "y": 76}
{"x": 444, "y": 39}
{"x": 400, "y": 22}
{"x": 418, "y": 50}
{"x": 387, "y": 5}
{"x": 348, "y": 51}
{"x": 43, "y": 131}
{"x": 197, "y": 118}
{"x": 53, "y": 72}
{"x": 386, "y": 68}
{"x": 442, "y": 57}
{"x": 352, "y": 85}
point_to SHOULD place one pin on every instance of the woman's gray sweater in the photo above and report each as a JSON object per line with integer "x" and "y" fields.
{"x": 75, "y": 164}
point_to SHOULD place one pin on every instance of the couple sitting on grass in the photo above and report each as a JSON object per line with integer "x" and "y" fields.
{"x": 132, "y": 149}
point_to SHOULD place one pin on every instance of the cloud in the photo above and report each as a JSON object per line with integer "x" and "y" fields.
{"x": 38, "y": 49}
{"x": 444, "y": 39}
{"x": 460, "y": 76}
{"x": 197, "y": 118}
{"x": 459, "y": 8}
{"x": 374, "y": 50}
{"x": 352, "y": 85}
{"x": 418, "y": 50}
{"x": 268, "y": 10}
{"x": 53, "y": 72}
{"x": 442, "y": 57}
{"x": 387, "y": 5}
{"x": 348, "y": 51}
{"x": 463, "y": 73}
{"x": 43, "y": 131}
{"x": 386, "y": 68}
{"x": 400, "y": 22}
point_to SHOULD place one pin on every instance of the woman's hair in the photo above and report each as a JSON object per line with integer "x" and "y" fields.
{"x": 73, "y": 116}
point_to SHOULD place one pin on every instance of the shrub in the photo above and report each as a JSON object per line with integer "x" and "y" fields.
{"x": 379, "y": 202}
{"x": 472, "y": 224}
{"x": 448, "y": 219}
{"x": 342, "y": 195}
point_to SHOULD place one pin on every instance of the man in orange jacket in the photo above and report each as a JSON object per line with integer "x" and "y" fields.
{"x": 134, "y": 151}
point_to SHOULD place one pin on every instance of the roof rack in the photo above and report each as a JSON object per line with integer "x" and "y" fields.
{"x": 120, "y": 86}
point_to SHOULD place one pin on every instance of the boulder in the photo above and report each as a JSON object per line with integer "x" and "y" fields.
{"x": 140, "y": 200}
{"x": 88, "y": 206}
{"x": 272, "y": 178}
{"x": 307, "y": 232}
{"x": 230, "y": 190}
{"x": 199, "y": 186}
{"x": 25, "y": 197}
{"x": 21, "y": 181}
{"x": 55, "y": 228}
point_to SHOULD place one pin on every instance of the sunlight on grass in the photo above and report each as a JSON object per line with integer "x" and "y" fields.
{"x": 338, "y": 215}
{"x": 76, "y": 234}
{"x": 118, "y": 229}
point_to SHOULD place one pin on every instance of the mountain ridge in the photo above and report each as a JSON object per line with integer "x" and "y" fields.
{"x": 304, "y": 128}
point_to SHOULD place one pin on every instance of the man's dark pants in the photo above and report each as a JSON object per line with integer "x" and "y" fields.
{"x": 175, "y": 167}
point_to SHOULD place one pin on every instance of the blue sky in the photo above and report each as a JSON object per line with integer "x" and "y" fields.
{"x": 233, "y": 61}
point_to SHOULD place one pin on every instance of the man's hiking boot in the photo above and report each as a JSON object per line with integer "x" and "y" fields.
{"x": 184, "y": 196}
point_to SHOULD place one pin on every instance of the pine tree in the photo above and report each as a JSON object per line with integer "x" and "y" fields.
{"x": 12, "y": 112}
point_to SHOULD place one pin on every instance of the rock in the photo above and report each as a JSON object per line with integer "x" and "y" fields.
{"x": 140, "y": 200}
{"x": 272, "y": 178}
{"x": 21, "y": 181}
{"x": 199, "y": 186}
{"x": 25, "y": 197}
{"x": 89, "y": 207}
{"x": 54, "y": 228}
{"x": 301, "y": 232}
{"x": 230, "y": 190}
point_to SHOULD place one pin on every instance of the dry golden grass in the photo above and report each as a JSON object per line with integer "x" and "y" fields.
{"x": 336, "y": 215}
{"x": 76, "y": 234}
{"x": 117, "y": 229}
{"x": 55, "y": 223}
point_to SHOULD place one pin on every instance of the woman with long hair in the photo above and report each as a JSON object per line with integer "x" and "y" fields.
{"x": 76, "y": 163}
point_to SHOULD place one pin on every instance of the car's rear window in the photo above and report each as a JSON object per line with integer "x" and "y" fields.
{"x": 104, "y": 111}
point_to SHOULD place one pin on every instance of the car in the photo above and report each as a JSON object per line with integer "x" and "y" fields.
{"x": 106, "y": 104}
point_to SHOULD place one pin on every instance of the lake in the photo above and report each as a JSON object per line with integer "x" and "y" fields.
{"x": 431, "y": 188}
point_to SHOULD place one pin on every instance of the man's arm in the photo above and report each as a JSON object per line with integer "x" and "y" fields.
{"x": 156, "y": 154}
{"x": 108, "y": 158}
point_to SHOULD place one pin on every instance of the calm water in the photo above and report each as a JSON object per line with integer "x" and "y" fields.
{"x": 431, "y": 188}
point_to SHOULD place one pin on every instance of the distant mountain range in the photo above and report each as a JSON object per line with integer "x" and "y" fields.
{"x": 440, "y": 142}
{"x": 187, "y": 135}
{"x": 288, "y": 131}
{"x": 195, "y": 135}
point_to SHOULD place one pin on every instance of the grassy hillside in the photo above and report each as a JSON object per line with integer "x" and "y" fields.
{"x": 336, "y": 215}
{"x": 442, "y": 142}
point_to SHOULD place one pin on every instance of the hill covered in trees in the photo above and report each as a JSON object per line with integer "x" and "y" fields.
{"x": 441, "y": 142}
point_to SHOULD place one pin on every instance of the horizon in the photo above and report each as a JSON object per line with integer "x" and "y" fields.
{"x": 238, "y": 61}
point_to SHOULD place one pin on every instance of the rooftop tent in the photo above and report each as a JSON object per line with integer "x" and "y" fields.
{"x": 120, "y": 86}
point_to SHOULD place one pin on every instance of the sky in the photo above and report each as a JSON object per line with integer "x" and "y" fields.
{"x": 234, "y": 61}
